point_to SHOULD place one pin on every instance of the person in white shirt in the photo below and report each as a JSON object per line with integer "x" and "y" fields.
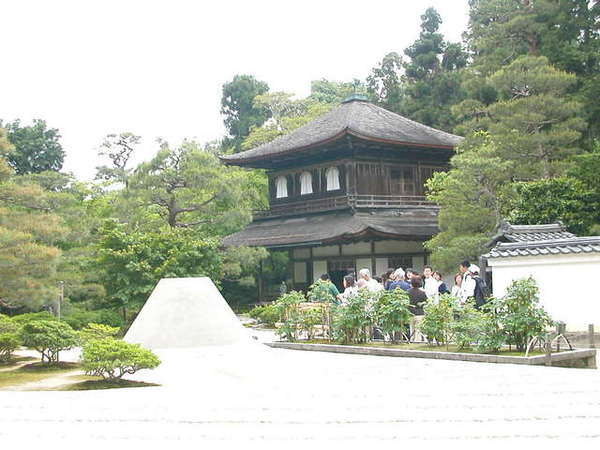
{"x": 455, "y": 292}
{"x": 431, "y": 284}
{"x": 350, "y": 289}
{"x": 372, "y": 284}
{"x": 467, "y": 287}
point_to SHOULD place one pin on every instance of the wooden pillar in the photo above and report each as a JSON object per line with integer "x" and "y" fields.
{"x": 260, "y": 281}
{"x": 373, "y": 259}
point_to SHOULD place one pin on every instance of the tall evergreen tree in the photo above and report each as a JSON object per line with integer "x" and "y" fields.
{"x": 432, "y": 75}
{"x": 384, "y": 84}
{"x": 566, "y": 32}
{"x": 237, "y": 105}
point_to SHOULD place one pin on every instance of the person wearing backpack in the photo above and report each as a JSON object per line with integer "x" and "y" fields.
{"x": 480, "y": 293}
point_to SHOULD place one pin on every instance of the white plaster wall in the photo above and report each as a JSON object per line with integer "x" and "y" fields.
{"x": 319, "y": 268}
{"x": 364, "y": 263}
{"x": 568, "y": 284}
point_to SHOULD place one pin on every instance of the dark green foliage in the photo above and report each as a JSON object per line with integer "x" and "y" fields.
{"x": 189, "y": 187}
{"x": 432, "y": 77}
{"x": 237, "y": 105}
{"x": 96, "y": 331}
{"x": 267, "y": 314}
{"x": 79, "y": 318}
{"x": 36, "y": 147}
{"x": 563, "y": 199}
{"x": 48, "y": 337}
{"x": 112, "y": 359}
{"x": 133, "y": 262}
{"x": 565, "y": 32}
{"x": 22, "y": 319}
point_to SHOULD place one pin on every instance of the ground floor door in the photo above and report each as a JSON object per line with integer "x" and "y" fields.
{"x": 338, "y": 269}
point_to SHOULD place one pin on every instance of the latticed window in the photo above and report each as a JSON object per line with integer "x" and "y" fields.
{"x": 395, "y": 262}
{"x": 281, "y": 187}
{"x": 332, "y": 175}
{"x": 402, "y": 180}
{"x": 305, "y": 183}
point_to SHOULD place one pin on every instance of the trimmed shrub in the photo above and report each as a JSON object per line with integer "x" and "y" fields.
{"x": 8, "y": 325}
{"x": 9, "y": 337}
{"x": 22, "y": 319}
{"x": 96, "y": 331}
{"x": 48, "y": 337}
{"x": 267, "y": 314}
{"x": 111, "y": 358}
{"x": 80, "y": 318}
{"x": 9, "y": 342}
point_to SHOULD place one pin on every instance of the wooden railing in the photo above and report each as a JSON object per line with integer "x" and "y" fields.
{"x": 387, "y": 201}
{"x": 343, "y": 202}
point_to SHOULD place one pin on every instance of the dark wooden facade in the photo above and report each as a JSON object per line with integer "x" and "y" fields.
{"x": 378, "y": 218}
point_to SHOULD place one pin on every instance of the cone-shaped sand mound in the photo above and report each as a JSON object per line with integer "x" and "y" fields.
{"x": 186, "y": 312}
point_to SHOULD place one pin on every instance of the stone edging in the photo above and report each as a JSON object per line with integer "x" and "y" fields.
{"x": 571, "y": 358}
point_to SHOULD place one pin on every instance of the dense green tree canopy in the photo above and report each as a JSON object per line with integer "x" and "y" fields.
{"x": 36, "y": 147}
{"x": 188, "y": 187}
{"x": 237, "y": 105}
{"x": 432, "y": 78}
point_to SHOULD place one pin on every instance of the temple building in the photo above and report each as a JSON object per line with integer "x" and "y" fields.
{"x": 347, "y": 192}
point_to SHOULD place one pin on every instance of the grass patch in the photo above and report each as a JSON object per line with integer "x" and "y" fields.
{"x": 92, "y": 385}
{"x": 426, "y": 347}
{"x": 34, "y": 372}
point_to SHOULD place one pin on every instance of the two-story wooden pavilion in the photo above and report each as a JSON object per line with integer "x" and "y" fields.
{"x": 347, "y": 192}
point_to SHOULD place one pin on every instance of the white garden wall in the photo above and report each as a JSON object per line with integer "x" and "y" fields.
{"x": 569, "y": 284}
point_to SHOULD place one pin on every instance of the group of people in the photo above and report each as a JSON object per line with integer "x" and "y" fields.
{"x": 420, "y": 287}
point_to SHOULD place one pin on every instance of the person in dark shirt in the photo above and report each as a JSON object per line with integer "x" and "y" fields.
{"x": 399, "y": 281}
{"x": 333, "y": 290}
{"x": 387, "y": 279}
{"x": 417, "y": 295}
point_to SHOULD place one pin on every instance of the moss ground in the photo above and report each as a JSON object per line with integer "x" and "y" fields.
{"x": 33, "y": 372}
{"x": 103, "y": 384}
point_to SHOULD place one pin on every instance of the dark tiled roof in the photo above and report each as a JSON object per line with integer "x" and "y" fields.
{"x": 327, "y": 227}
{"x": 528, "y": 233}
{"x": 358, "y": 118}
{"x": 570, "y": 245}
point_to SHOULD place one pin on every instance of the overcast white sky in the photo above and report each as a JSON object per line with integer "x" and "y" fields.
{"x": 156, "y": 68}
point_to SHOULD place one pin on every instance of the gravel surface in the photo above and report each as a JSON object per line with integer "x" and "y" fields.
{"x": 253, "y": 394}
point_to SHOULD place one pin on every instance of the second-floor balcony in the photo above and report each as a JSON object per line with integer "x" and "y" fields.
{"x": 361, "y": 201}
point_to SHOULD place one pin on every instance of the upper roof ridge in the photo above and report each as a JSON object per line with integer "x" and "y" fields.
{"x": 355, "y": 116}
